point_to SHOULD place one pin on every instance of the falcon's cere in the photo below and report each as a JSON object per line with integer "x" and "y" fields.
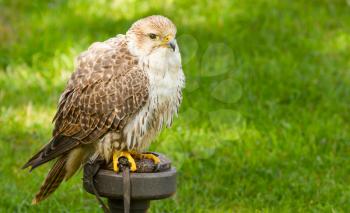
{"x": 122, "y": 92}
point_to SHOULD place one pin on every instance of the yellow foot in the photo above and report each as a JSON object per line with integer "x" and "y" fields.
{"x": 150, "y": 156}
{"x": 127, "y": 155}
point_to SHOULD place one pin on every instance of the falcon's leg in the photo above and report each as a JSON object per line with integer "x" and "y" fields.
{"x": 127, "y": 155}
{"x": 148, "y": 155}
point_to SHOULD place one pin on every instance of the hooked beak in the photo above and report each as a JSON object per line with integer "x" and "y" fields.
{"x": 172, "y": 44}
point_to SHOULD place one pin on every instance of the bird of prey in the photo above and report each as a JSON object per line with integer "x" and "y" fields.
{"x": 121, "y": 94}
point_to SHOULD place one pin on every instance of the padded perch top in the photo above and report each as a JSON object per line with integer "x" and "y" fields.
{"x": 149, "y": 182}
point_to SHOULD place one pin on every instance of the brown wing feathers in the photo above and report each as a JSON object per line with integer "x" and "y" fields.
{"x": 104, "y": 91}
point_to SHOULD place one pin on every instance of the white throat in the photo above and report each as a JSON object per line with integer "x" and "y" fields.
{"x": 166, "y": 79}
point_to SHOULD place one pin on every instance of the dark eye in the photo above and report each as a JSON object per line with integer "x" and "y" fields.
{"x": 152, "y": 36}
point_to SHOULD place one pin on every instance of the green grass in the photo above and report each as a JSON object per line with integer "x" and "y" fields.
{"x": 264, "y": 126}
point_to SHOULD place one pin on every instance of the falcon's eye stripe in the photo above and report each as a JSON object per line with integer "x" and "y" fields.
{"x": 152, "y": 36}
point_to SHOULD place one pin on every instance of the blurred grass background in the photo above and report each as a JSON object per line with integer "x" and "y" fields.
{"x": 264, "y": 126}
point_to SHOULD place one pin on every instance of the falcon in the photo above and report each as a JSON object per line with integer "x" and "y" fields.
{"x": 123, "y": 91}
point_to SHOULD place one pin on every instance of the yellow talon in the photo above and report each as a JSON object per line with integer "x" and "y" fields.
{"x": 151, "y": 156}
{"x": 126, "y": 155}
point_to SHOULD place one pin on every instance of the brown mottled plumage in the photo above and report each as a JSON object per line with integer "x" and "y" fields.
{"x": 118, "y": 98}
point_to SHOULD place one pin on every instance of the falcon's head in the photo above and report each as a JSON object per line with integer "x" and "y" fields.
{"x": 151, "y": 33}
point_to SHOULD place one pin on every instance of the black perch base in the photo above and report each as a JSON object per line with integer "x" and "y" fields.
{"x": 149, "y": 182}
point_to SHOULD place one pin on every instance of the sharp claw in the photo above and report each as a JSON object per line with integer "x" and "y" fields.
{"x": 157, "y": 167}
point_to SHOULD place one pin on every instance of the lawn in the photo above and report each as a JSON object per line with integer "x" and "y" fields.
{"x": 264, "y": 125}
